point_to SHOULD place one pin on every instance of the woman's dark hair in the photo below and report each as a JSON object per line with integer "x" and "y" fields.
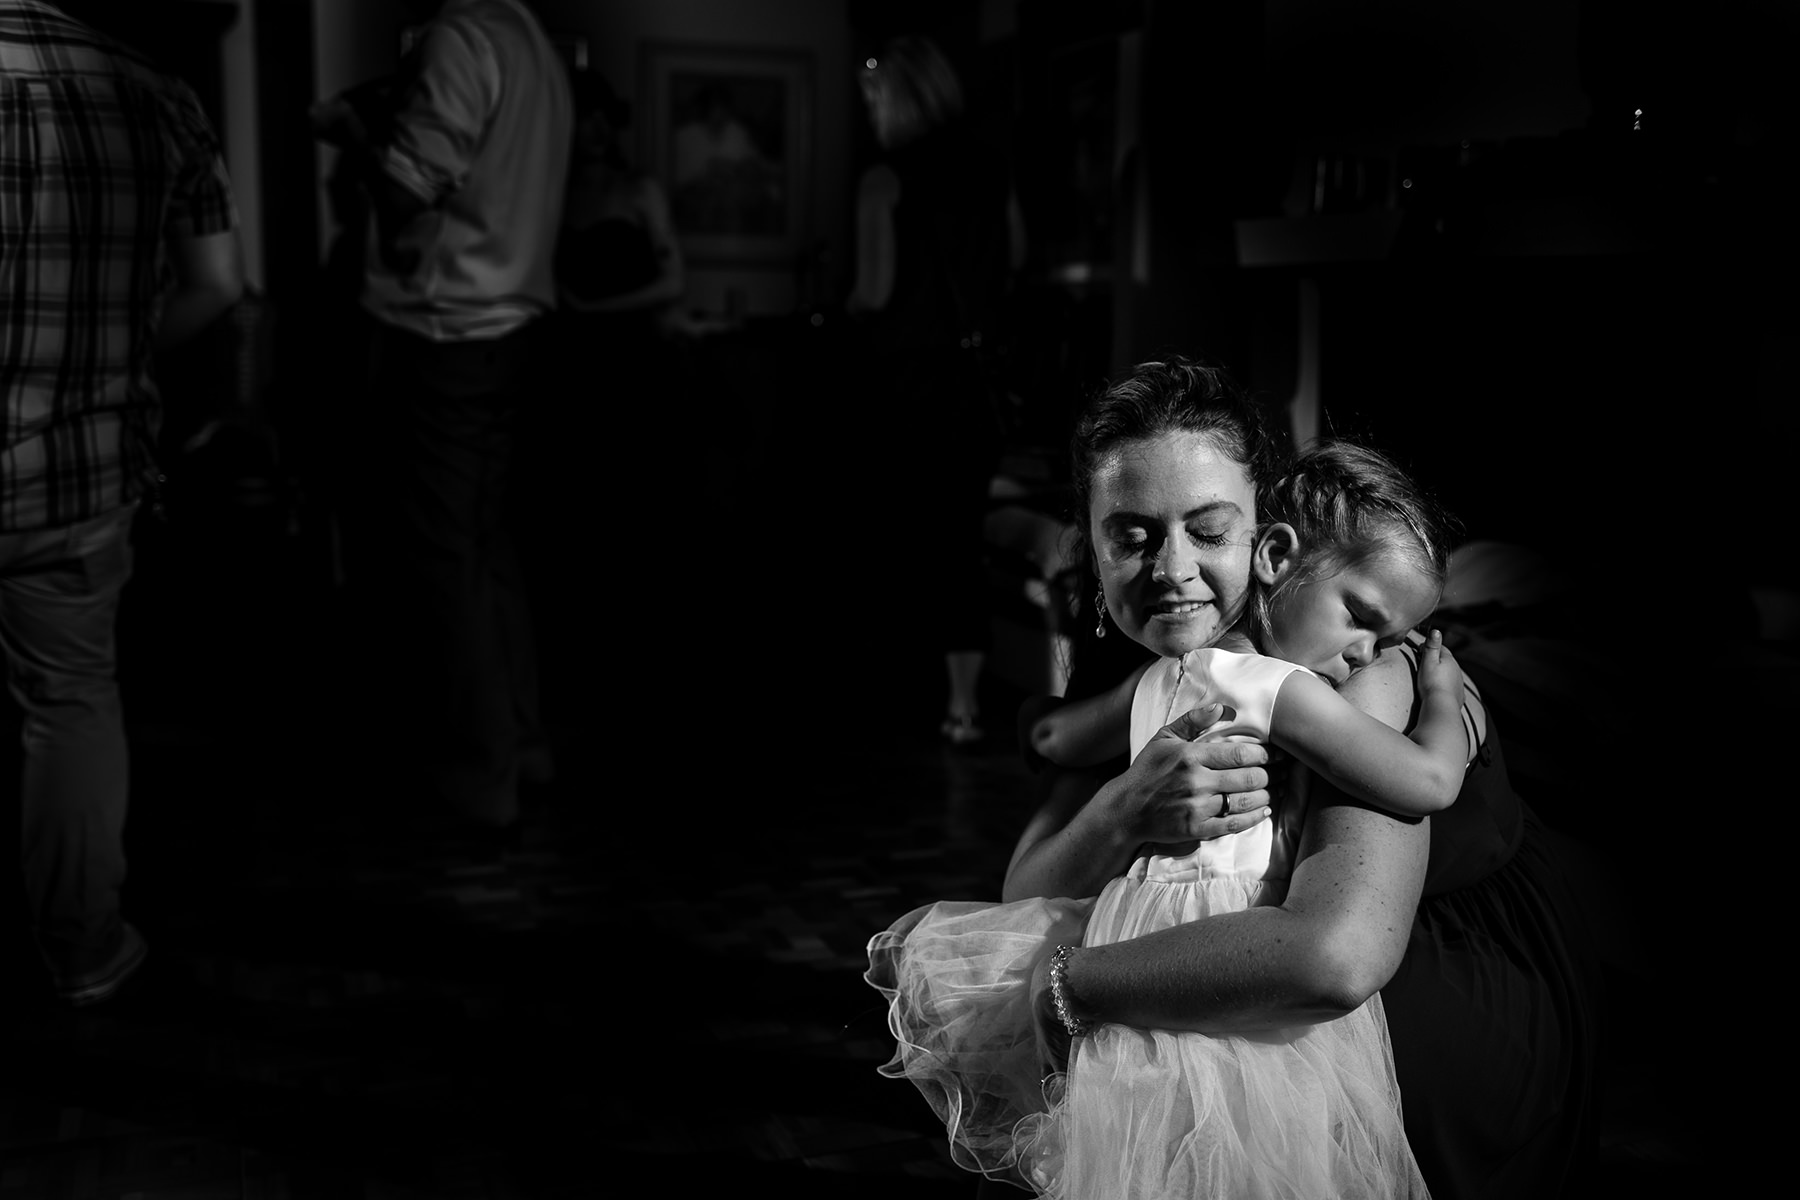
{"x": 1175, "y": 395}
{"x": 1349, "y": 504}
{"x": 921, "y": 88}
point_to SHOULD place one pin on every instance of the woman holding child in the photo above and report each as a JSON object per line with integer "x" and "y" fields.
{"x": 1224, "y": 1008}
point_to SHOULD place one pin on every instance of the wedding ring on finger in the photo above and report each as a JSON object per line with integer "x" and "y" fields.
{"x": 1224, "y": 804}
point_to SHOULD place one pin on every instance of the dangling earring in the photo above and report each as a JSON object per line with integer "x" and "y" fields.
{"x": 1100, "y": 612}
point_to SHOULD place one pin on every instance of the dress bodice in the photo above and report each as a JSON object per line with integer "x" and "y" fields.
{"x": 1247, "y": 685}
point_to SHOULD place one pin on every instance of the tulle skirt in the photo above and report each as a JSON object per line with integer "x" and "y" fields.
{"x": 957, "y": 977}
{"x": 1298, "y": 1114}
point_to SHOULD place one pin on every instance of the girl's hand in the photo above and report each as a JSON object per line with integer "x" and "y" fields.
{"x": 1439, "y": 675}
{"x": 1180, "y": 790}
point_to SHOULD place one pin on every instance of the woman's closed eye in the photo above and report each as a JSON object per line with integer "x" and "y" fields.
{"x": 1132, "y": 541}
{"x": 1207, "y": 537}
{"x": 1138, "y": 541}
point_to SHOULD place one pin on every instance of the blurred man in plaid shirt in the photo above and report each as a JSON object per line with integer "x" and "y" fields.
{"x": 118, "y": 236}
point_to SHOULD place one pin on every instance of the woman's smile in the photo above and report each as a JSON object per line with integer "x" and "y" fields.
{"x": 1180, "y": 610}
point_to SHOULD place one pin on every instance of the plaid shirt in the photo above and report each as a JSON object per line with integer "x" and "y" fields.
{"x": 102, "y": 160}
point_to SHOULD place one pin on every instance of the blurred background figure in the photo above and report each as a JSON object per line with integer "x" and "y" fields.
{"x": 937, "y": 238}
{"x": 83, "y": 274}
{"x": 465, "y": 160}
{"x": 618, "y": 254}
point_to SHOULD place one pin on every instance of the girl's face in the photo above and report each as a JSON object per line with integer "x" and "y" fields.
{"x": 1336, "y": 625}
{"x": 1171, "y": 520}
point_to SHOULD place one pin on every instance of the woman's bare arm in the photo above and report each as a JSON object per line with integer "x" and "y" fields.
{"x": 1336, "y": 939}
{"x": 1072, "y": 845}
{"x": 1090, "y": 731}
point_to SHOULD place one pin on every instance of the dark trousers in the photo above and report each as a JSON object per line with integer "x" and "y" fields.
{"x": 448, "y": 596}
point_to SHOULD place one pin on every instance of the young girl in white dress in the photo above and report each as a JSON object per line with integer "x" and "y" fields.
{"x": 1353, "y": 558}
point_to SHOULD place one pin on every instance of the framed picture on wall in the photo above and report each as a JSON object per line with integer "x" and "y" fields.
{"x": 727, "y": 131}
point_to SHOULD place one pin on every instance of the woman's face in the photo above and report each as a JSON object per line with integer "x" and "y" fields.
{"x": 1172, "y": 520}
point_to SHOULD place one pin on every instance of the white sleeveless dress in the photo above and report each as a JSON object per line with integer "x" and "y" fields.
{"x": 1307, "y": 1112}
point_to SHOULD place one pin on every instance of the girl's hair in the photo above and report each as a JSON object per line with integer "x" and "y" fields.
{"x": 1349, "y": 504}
{"x": 1176, "y": 395}
{"x": 917, "y": 85}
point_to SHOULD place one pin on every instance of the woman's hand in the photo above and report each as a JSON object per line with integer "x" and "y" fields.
{"x": 1180, "y": 790}
{"x": 1176, "y": 790}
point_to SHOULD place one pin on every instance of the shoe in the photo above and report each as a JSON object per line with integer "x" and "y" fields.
{"x": 105, "y": 983}
{"x": 961, "y": 731}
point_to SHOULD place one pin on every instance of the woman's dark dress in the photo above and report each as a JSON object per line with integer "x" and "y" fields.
{"x": 1494, "y": 1013}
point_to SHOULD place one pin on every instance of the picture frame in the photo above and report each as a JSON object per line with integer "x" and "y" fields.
{"x": 727, "y": 132}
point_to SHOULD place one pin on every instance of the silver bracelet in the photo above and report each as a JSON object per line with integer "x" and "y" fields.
{"x": 1059, "y": 996}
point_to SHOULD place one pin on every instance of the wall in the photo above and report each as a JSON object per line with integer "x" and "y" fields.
{"x": 1371, "y": 75}
{"x": 1513, "y": 352}
{"x": 241, "y": 134}
{"x": 616, "y": 33}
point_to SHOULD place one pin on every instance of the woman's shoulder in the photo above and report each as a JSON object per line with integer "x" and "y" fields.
{"x": 1387, "y": 689}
